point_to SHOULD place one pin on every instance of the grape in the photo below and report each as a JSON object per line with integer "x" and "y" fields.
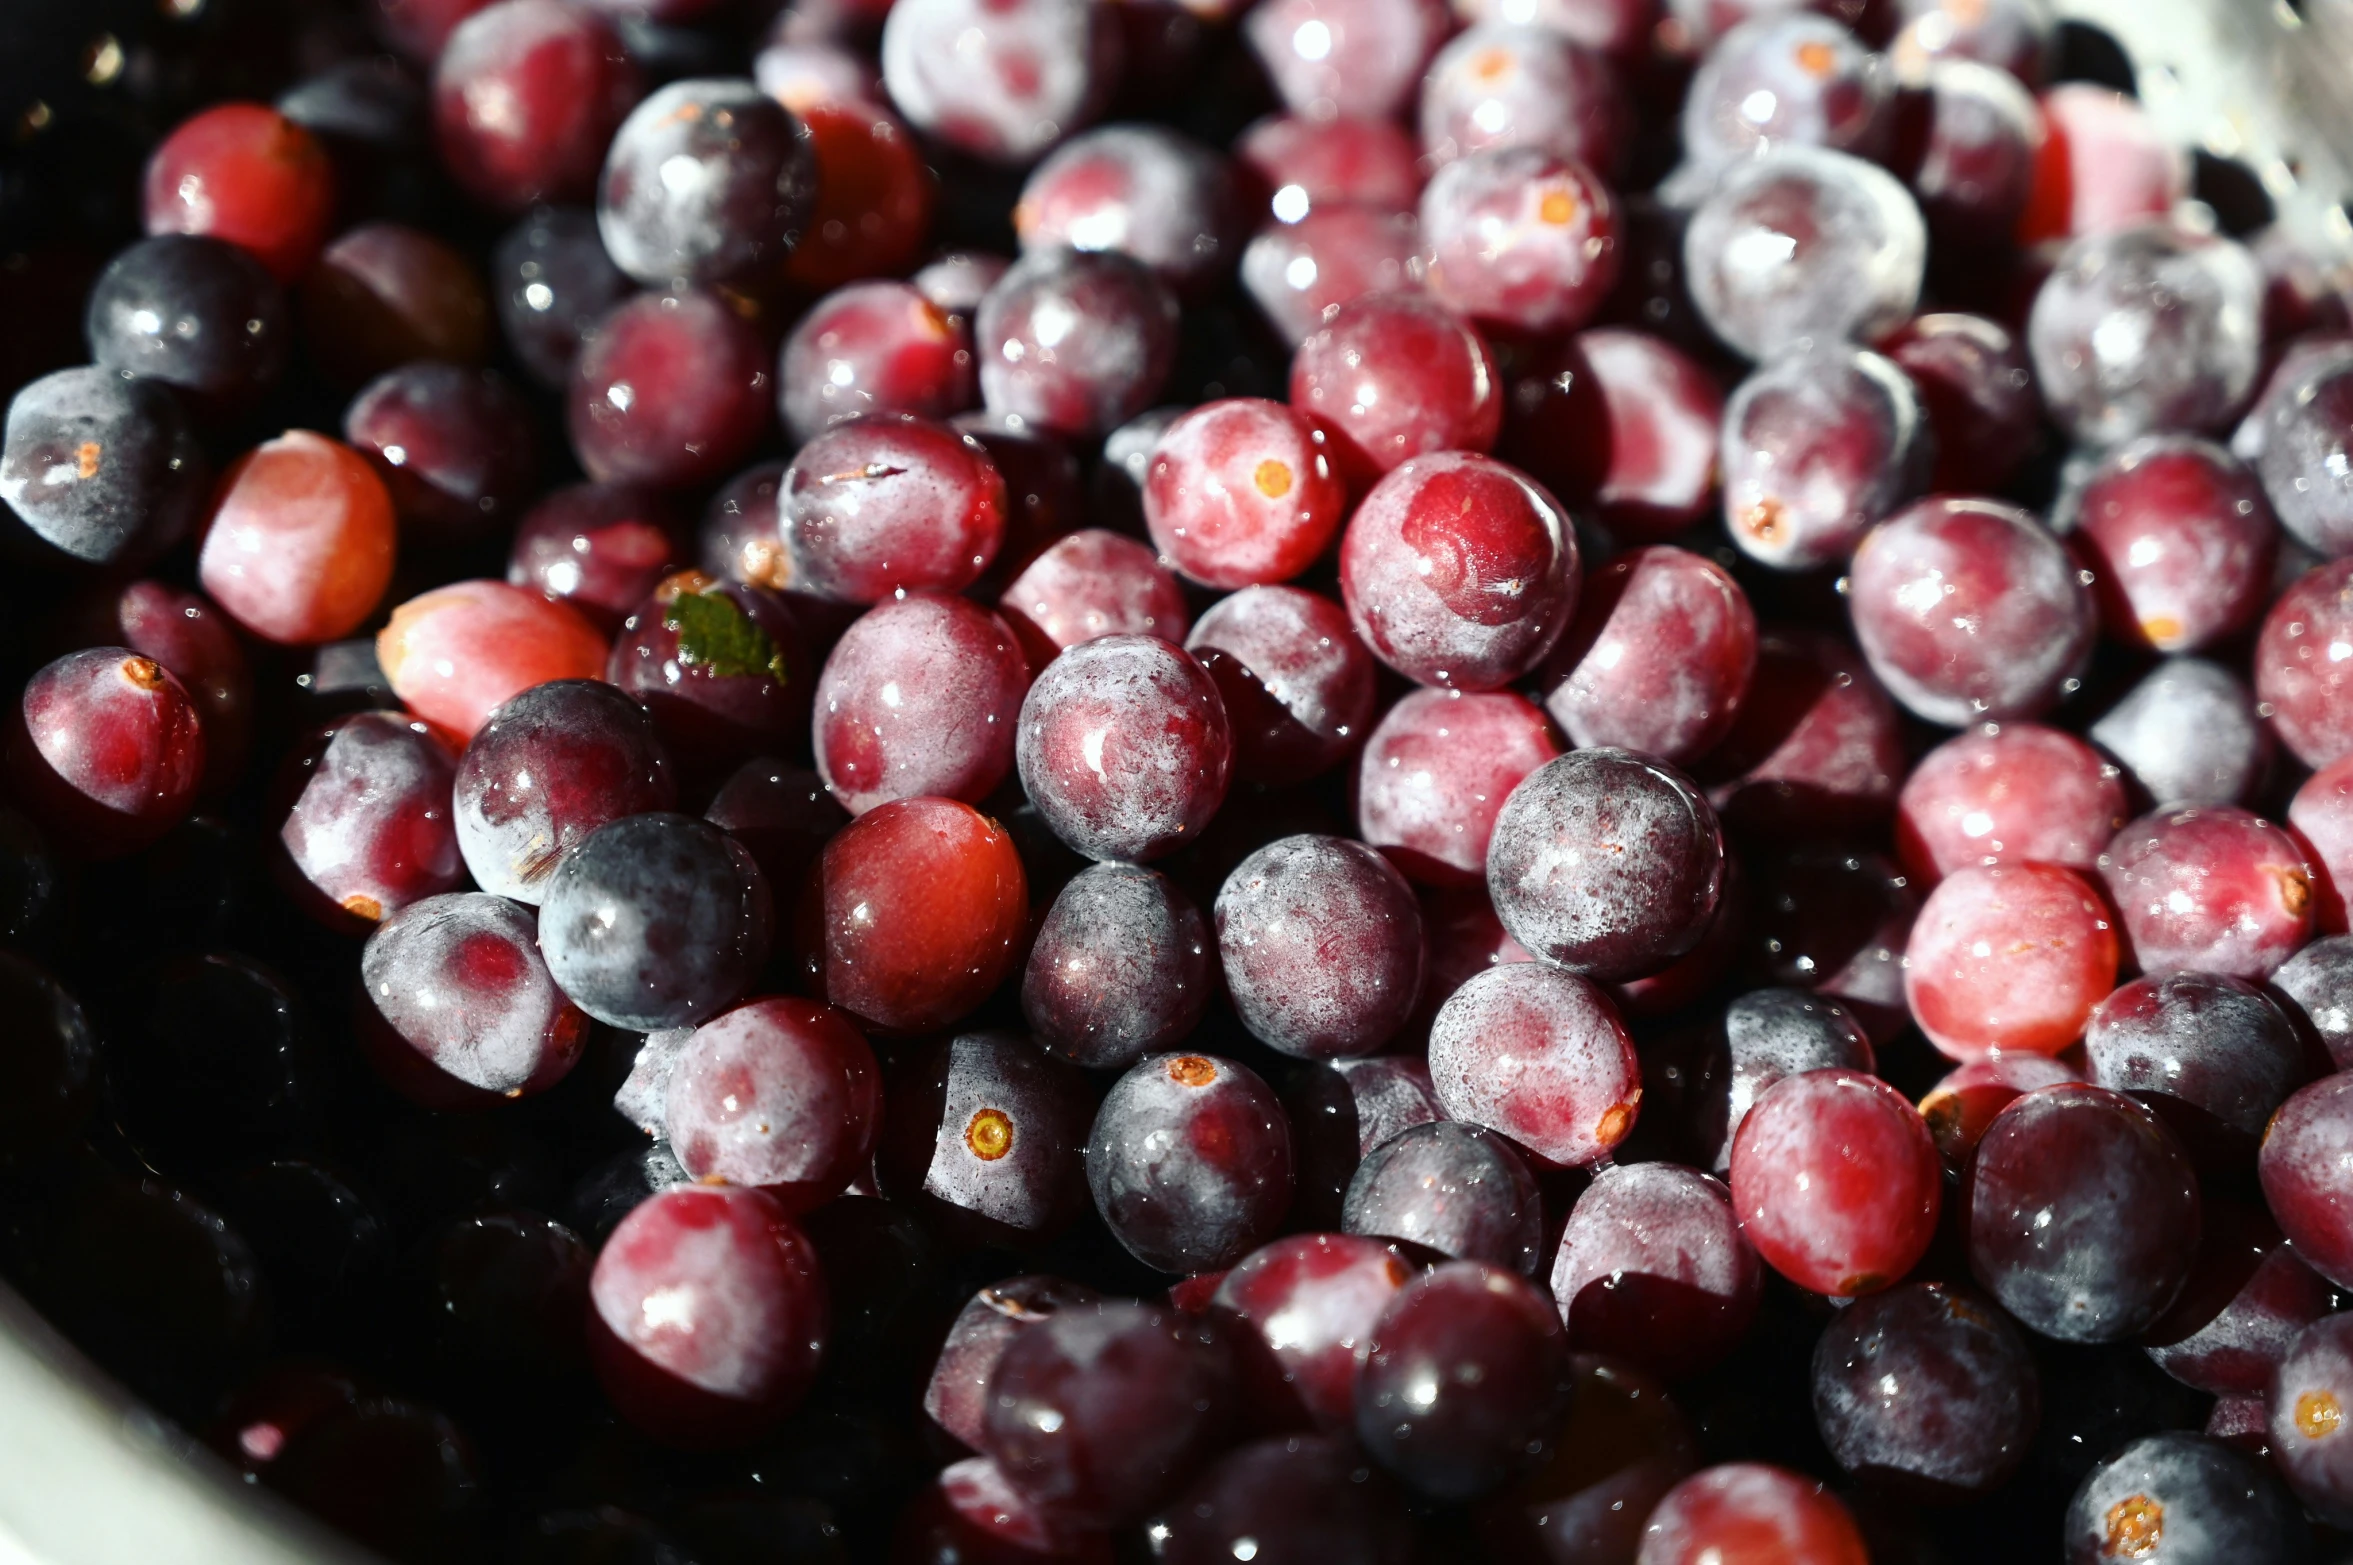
{"x": 1120, "y": 968}
{"x": 985, "y": 1136}
{"x": 106, "y": 750}
{"x": 655, "y": 920}
{"x": 459, "y": 1003}
{"x": 2216, "y": 890}
{"x": 1927, "y": 1387}
{"x": 1466, "y": 1372}
{"x": 1321, "y": 945}
{"x": 920, "y": 696}
{"x": 1750, "y": 1511}
{"x": 707, "y": 181}
{"x": 1190, "y": 1162}
{"x": 455, "y": 654}
{"x": 1459, "y": 1190}
{"x": 1297, "y": 684}
{"x": 1836, "y": 1181}
{"x": 1285, "y": 1498}
{"x": 548, "y": 768}
{"x": 2188, "y": 733}
{"x": 2009, "y": 957}
{"x": 197, "y": 314}
{"x": 1124, "y": 747}
{"x": 526, "y": 95}
{"x": 1652, "y": 1269}
{"x": 1305, "y": 1307}
{"x": 1098, "y": 1411}
{"x": 101, "y": 466}
{"x": 913, "y": 914}
{"x": 1804, "y": 242}
{"x": 1615, "y": 680}
{"x": 2202, "y": 1502}
{"x": 371, "y": 829}
{"x": 778, "y": 1094}
{"x": 957, "y": 1395}
{"x": 708, "y": 1314}
{"x": 2082, "y": 1213}
{"x": 2247, "y": 1298}
{"x": 1606, "y": 863}
{"x": 244, "y": 173}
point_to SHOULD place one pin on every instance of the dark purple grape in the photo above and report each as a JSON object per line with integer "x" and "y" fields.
{"x": 1120, "y": 968}
{"x": 1189, "y": 1162}
{"x": 1767, "y": 1034}
{"x": 457, "y": 1002}
{"x": 655, "y": 921}
{"x": 1460, "y": 1190}
{"x": 1607, "y": 863}
{"x": 101, "y": 466}
{"x": 1288, "y": 1500}
{"x": 2317, "y": 984}
{"x": 1340, "y": 1110}
{"x": 2305, "y": 1152}
{"x": 2212, "y": 1055}
{"x": 1927, "y": 1388}
{"x": 197, "y": 314}
{"x": 1652, "y": 1269}
{"x": 2081, "y": 1213}
{"x": 552, "y": 281}
{"x": 1467, "y": 1373}
{"x": 552, "y": 765}
{"x": 707, "y": 181}
{"x": 957, "y": 1395}
{"x": 2184, "y": 1500}
{"x": 1098, "y": 1411}
{"x": 2248, "y": 1296}
{"x": 454, "y": 445}
{"x": 985, "y": 1135}
{"x": 1321, "y": 943}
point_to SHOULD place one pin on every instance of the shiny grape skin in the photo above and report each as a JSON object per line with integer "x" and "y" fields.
{"x": 1124, "y": 747}
{"x": 1765, "y": 1513}
{"x": 1836, "y": 1181}
{"x": 1467, "y": 1370}
{"x": 100, "y": 466}
{"x": 655, "y": 920}
{"x": 1767, "y": 1034}
{"x": 2082, "y": 1213}
{"x": 912, "y": 915}
{"x": 198, "y": 314}
{"x": 2317, "y": 986}
{"x": 372, "y": 829}
{"x": 1098, "y": 1411}
{"x": 707, "y": 181}
{"x": 458, "y": 1008}
{"x": 2205, "y": 1502}
{"x": 1926, "y": 1387}
{"x": 1462, "y": 1191}
{"x": 1303, "y": 1308}
{"x": 957, "y": 1395}
{"x": 1189, "y": 1162}
{"x": 1653, "y": 1270}
{"x": 2218, "y": 890}
{"x": 106, "y": 750}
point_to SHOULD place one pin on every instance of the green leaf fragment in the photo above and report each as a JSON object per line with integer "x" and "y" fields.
{"x": 714, "y": 632}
